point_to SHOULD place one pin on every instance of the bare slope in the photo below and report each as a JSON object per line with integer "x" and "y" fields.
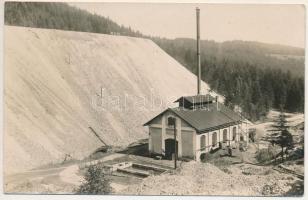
{"x": 53, "y": 77}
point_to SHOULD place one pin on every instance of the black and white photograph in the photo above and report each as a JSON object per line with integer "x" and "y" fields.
{"x": 200, "y": 98}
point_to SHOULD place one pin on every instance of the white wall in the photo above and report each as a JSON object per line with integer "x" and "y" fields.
{"x": 155, "y": 140}
{"x": 160, "y": 131}
{"x": 184, "y": 147}
{"x": 209, "y": 136}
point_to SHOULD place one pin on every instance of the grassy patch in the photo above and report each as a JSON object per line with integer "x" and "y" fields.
{"x": 264, "y": 155}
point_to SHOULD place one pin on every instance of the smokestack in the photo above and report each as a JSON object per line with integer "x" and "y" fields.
{"x": 198, "y": 50}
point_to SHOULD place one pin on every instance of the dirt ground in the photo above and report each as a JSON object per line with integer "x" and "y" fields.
{"x": 65, "y": 178}
{"x": 239, "y": 175}
{"x": 219, "y": 178}
{"x": 222, "y": 175}
{"x": 46, "y": 181}
{"x": 60, "y": 179}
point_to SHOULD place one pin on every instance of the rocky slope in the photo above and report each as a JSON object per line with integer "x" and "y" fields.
{"x": 53, "y": 94}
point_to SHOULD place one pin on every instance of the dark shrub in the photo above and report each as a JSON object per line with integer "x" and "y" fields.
{"x": 95, "y": 182}
{"x": 264, "y": 155}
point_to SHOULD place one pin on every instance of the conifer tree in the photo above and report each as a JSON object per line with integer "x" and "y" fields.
{"x": 279, "y": 134}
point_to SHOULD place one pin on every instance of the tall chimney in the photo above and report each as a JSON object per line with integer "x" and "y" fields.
{"x": 198, "y": 50}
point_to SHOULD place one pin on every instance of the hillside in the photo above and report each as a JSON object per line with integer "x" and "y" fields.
{"x": 254, "y": 75}
{"x": 257, "y": 76}
{"x": 58, "y": 15}
{"x": 237, "y": 52}
{"x": 53, "y": 77}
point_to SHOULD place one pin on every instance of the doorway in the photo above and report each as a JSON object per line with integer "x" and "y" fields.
{"x": 170, "y": 148}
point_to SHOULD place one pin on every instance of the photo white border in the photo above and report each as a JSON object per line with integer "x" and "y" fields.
{"x": 116, "y": 197}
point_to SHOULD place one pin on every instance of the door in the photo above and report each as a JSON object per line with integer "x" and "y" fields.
{"x": 170, "y": 148}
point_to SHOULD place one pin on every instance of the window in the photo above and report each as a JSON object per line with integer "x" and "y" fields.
{"x": 171, "y": 121}
{"x": 214, "y": 139}
{"x": 234, "y": 133}
{"x": 225, "y": 135}
{"x": 202, "y": 142}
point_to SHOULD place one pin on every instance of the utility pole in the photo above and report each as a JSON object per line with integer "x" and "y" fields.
{"x": 175, "y": 146}
{"x": 229, "y": 137}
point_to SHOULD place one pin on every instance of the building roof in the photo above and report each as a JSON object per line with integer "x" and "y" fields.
{"x": 206, "y": 119}
{"x": 197, "y": 99}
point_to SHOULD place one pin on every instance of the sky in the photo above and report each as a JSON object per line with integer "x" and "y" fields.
{"x": 277, "y": 24}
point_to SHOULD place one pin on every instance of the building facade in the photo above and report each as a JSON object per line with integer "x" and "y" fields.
{"x": 201, "y": 126}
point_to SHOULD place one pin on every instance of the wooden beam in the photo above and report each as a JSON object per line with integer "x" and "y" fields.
{"x": 100, "y": 139}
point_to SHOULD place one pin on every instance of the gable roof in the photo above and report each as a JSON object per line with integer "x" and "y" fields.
{"x": 204, "y": 120}
{"x": 197, "y": 99}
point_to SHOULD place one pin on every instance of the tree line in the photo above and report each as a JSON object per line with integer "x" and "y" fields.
{"x": 253, "y": 75}
{"x": 245, "y": 74}
{"x": 61, "y": 16}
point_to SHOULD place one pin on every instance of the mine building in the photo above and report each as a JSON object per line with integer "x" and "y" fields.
{"x": 202, "y": 125}
{"x": 199, "y": 125}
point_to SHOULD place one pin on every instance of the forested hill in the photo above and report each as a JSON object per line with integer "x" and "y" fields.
{"x": 61, "y": 16}
{"x": 254, "y": 75}
{"x": 264, "y": 55}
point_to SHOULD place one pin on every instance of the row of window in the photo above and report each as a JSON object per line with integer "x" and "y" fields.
{"x": 214, "y": 137}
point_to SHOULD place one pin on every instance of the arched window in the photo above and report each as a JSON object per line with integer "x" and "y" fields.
{"x": 234, "y": 133}
{"x": 225, "y": 135}
{"x": 171, "y": 121}
{"x": 214, "y": 139}
{"x": 202, "y": 142}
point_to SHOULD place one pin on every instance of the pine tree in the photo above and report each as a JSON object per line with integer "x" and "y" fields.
{"x": 279, "y": 134}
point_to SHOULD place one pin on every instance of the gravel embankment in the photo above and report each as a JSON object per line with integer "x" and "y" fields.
{"x": 206, "y": 179}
